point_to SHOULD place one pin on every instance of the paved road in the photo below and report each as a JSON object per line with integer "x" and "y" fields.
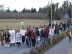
{"x": 13, "y": 50}
{"x": 61, "y": 48}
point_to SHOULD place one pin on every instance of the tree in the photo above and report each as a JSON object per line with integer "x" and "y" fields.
{"x": 15, "y": 11}
{"x": 56, "y": 11}
{"x": 33, "y": 10}
{"x": 40, "y": 10}
{"x": 66, "y": 7}
{"x": 28, "y": 11}
{"x": 45, "y": 9}
{"x": 69, "y": 9}
{"x": 8, "y": 9}
{"x": 23, "y": 11}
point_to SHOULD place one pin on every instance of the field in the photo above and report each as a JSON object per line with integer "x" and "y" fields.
{"x": 15, "y": 23}
{"x": 12, "y": 20}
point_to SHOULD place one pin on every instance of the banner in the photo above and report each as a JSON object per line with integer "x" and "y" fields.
{"x": 22, "y": 32}
{"x": 55, "y": 22}
{"x": 12, "y": 36}
{"x": 18, "y": 37}
{"x": 51, "y": 31}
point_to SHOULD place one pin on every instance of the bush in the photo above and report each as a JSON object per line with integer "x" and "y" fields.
{"x": 38, "y": 49}
{"x": 59, "y": 37}
{"x": 33, "y": 51}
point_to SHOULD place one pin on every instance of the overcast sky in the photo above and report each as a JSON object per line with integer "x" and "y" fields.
{"x": 20, "y": 4}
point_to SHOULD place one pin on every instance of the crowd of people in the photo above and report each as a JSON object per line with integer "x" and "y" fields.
{"x": 31, "y": 36}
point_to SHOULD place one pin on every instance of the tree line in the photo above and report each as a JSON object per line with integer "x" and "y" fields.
{"x": 57, "y": 12}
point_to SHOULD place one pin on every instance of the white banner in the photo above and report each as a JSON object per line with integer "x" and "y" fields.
{"x": 55, "y": 22}
{"x": 22, "y": 32}
{"x": 51, "y": 31}
{"x": 12, "y": 36}
{"x": 18, "y": 37}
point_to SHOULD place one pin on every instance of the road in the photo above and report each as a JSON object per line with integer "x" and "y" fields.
{"x": 61, "y": 48}
{"x": 13, "y": 50}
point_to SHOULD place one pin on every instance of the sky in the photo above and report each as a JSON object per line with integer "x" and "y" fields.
{"x": 20, "y": 4}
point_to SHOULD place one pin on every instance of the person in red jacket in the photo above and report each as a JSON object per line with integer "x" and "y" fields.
{"x": 33, "y": 37}
{"x": 46, "y": 32}
{"x": 29, "y": 34}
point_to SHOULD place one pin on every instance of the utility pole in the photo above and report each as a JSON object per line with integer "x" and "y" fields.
{"x": 51, "y": 23}
{"x": 48, "y": 9}
{"x": 71, "y": 10}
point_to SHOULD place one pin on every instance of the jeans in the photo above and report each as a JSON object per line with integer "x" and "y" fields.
{"x": 30, "y": 42}
{"x": 38, "y": 40}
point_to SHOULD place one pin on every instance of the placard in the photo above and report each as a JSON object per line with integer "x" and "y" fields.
{"x": 12, "y": 36}
{"x": 18, "y": 37}
{"x": 22, "y": 32}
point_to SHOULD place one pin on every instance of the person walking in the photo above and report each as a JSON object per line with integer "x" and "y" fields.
{"x": 46, "y": 33}
{"x": 33, "y": 37}
{"x": 26, "y": 37}
{"x": 29, "y": 34}
{"x": 37, "y": 36}
{"x": 7, "y": 38}
{"x": 42, "y": 34}
{"x": 2, "y": 37}
{"x": 22, "y": 32}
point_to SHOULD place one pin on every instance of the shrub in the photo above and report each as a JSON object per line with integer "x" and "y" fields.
{"x": 59, "y": 37}
{"x": 38, "y": 49}
{"x": 33, "y": 51}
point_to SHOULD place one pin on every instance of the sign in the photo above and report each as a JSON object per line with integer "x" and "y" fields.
{"x": 22, "y": 23}
{"x": 12, "y": 36}
{"x": 22, "y": 32}
{"x": 66, "y": 16}
{"x": 55, "y": 22}
{"x": 18, "y": 37}
{"x": 51, "y": 31}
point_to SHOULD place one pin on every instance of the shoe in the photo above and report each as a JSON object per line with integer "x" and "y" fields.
{"x": 8, "y": 45}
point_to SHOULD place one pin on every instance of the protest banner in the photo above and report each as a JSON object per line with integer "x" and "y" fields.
{"x": 12, "y": 36}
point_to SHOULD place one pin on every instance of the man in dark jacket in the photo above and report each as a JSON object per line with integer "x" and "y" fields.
{"x": 7, "y": 38}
